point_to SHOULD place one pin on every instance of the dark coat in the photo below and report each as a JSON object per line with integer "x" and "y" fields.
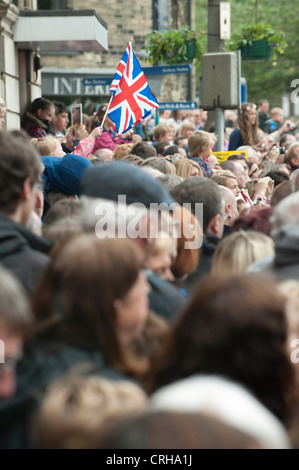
{"x": 235, "y": 140}
{"x": 165, "y": 299}
{"x": 34, "y": 126}
{"x": 42, "y": 364}
{"x": 204, "y": 266}
{"x": 23, "y": 252}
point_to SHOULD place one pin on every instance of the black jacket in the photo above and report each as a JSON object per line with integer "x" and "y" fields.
{"x": 204, "y": 266}
{"x": 165, "y": 299}
{"x": 42, "y": 363}
{"x": 23, "y": 252}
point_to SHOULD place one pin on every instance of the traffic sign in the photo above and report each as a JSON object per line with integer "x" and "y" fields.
{"x": 175, "y": 105}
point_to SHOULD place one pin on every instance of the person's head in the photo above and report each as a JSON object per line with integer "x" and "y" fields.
{"x": 263, "y": 106}
{"x": 65, "y": 208}
{"x": 160, "y": 147}
{"x": 240, "y": 174}
{"x": 187, "y": 168}
{"x": 162, "y": 133}
{"x": 20, "y": 170}
{"x": 97, "y": 119}
{"x": 248, "y": 124}
{"x": 278, "y": 177}
{"x": 213, "y": 161}
{"x": 2, "y": 112}
{"x": 171, "y": 150}
{"x": 231, "y": 208}
{"x": 259, "y": 221}
{"x": 189, "y": 241}
{"x": 226, "y": 178}
{"x": 239, "y": 250}
{"x": 76, "y": 409}
{"x": 253, "y": 170}
{"x": 64, "y": 174}
{"x": 200, "y": 144}
{"x": 15, "y": 318}
{"x": 292, "y": 156}
{"x": 235, "y": 326}
{"x": 61, "y": 119}
{"x": 169, "y": 181}
{"x": 97, "y": 286}
{"x": 187, "y": 129}
{"x": 287, "y": 211}
{"x": 106, "y": 154}
{"x": 48, "y": 146}
{"x": 122, "y": 150}
{"x": 172, "y": 429}
{"x": 277, "y": 114}
{"x": 160, "y": 164}
{"x": 281, "y": 191}
{"x": 143, "y": 150}
{"x": 43, "y": 109}
{"x": 196, "y": 191}
{"x": 162, "y": 256}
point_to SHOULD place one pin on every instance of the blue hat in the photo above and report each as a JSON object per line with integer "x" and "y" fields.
{"x": 110, "y": 180}
{"x": 64, "y": 174}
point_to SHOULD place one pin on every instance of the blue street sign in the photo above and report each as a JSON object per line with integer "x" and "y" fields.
{"x": 159, "y": 70}
{"x": 175, "y": 105}
{"x": 167, "y": 69}
{"x": 94, "y": 81}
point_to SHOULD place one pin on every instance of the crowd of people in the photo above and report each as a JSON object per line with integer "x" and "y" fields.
{"x": 149, "y": 292}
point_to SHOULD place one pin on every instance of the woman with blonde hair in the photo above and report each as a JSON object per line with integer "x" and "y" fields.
{"x": 239, "y": 250}
{"x": 187, "y": 168}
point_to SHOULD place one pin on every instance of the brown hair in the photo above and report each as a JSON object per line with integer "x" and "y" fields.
{"x": 160, "y": 131}
{"x": 249, "y": 132}
{"x": 19, "y": 160}
{"x": 190, "y": 232}
{"x": 236, "y": 327}
{"x": 77, "y": 293}
{"x": 200, "y": 141}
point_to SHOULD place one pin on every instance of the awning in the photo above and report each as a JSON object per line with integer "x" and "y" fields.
{"x": 61, "y": 30}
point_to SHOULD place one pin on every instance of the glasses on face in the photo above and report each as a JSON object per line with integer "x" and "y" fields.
{"x": 9, "y": 364}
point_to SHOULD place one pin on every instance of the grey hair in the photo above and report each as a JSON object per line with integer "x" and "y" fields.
{"x": 286, "y": 212}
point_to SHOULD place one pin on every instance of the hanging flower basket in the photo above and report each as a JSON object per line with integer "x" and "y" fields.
{"x": 259, "y": 41}
{"x": 258, "y": 50}
{"x": 176, "y": 46}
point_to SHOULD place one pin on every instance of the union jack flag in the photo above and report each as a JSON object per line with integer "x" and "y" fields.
{"x": 132, "y": 100}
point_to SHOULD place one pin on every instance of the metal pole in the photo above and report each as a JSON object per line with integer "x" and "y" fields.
{"x": 219, "y": 129}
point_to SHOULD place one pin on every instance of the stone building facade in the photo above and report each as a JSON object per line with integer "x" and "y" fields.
{"x": 125, "y": 19}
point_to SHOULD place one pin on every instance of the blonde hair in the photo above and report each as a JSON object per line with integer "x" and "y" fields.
{"x": 187, "y": 126}
{"x": 184, "y": 167}
{"x": 76, "y": 408}
{"x": 200, "y": 141}
{"x": 160, "y": 164}
{"x": 220, "y": 177}
{"x": 239, "y": 250}
{"x": 122, "y": 151}
{"x": 45, "y": 145}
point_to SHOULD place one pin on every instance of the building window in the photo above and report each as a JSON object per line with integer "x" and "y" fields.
{"x": 55, "y": 4}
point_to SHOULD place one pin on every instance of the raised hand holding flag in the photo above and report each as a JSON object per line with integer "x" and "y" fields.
{"x": 132, "y": 98}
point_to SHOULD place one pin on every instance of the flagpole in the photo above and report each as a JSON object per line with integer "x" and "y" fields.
{"x": 107, "y": 110}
